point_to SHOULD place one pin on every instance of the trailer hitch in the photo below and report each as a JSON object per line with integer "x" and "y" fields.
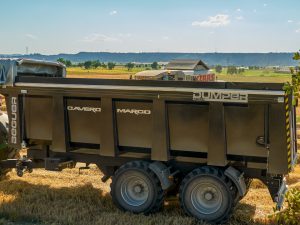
{"x": 23, "y": 165}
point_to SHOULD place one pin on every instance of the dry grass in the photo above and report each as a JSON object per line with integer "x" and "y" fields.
{"x": 117, "y": 73}
{"x": 101, "y": 76}
{"x": 45, "y": 197}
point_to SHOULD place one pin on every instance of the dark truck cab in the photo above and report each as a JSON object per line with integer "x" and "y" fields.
{"x": 206, "y": 140}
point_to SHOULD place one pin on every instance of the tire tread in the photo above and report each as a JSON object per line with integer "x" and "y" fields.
{"x": 215, "y": 172}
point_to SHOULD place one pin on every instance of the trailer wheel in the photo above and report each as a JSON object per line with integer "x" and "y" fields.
{"x": 135, "y": 188}
{"x": 206, "y": 193}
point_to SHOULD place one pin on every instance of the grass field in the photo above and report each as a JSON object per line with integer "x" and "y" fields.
{"x": 70, "y": 198}
{"x": 119, "y": 72}
{"x": 262, "y": 75}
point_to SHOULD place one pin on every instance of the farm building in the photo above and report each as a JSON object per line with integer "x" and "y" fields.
{"x": 196, "y": 69}
{"x": 193, "y": 67}
{"x": 160, "y": 75}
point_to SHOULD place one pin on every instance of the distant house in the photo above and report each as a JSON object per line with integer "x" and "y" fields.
{"x": 196, "y": 69}
{"x": 284, "y": 69}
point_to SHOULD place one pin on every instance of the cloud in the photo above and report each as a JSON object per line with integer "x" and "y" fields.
{"x": 254, "y": 10}
{"x": 165, "y": 38}
{"x": 99, "y": 38}
{"x": 290, "y": 21}
{"x": 219, "y": 20}
{"x": 31, "y": 36}
{"x": 125, "y": 35}
{"x": 239, "y": 18}
{"x": 298, "y": 30}
{"x": 238, "y": 10}
{"x": 114, "y": 12}
{"x": 265, "y": 4}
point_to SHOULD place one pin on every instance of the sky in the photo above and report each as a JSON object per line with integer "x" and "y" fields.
{"x": 65, "y": 26}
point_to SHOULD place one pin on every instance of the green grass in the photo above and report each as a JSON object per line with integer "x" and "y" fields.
{"x": 262, "y": 75}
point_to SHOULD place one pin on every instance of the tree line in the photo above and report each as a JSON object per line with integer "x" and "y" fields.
{"x": 94, "y": 64}
{"x": 231, "y": 69}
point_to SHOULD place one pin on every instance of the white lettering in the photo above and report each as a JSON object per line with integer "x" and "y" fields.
{"x": 220, "y": 96}
{"x": 83, "y": 109}
{"x": 135, "y": 111}
{"x": 96, "y": 110}
{"x": 13, "y": 126}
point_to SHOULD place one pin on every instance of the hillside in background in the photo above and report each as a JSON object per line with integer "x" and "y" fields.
{"x": 225, "y": 59}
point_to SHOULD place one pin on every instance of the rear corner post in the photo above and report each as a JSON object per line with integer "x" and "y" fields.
{"x": 160, "y": 134}
{"x": 217, "y": 135}
{"x": 108, "y": 133}
{"x": 60, "y": 128}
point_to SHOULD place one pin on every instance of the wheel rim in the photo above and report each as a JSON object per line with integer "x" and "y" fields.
{"x": 206, "y": 198}
{"x": 134, "y": 191}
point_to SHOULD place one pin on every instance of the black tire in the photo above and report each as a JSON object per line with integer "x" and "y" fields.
{"x": 207, "y": 194}
{"x": 135, "y": 188}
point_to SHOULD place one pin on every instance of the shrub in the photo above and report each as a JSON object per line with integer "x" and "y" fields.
{"x": 291, "y": 215}
{"x": 294, "y": 86}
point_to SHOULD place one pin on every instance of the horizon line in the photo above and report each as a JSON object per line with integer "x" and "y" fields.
{"x": 154, "y": 52}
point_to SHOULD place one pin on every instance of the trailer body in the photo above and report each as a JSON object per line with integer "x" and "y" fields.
{"x": 248, "y": 129}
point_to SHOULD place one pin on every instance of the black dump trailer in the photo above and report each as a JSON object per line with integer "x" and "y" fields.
{"x": 204, "y": 141}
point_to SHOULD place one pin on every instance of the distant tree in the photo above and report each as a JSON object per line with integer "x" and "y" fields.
{"x": 154, "y": 65}
{"x": 80, "y": 64}
{"x": 87, "y": 64}
{"x": 218, "y": 68}
{"x": 241, "y": 70}
{"x": 61, "y": 60}
{"x": 96, "y": 64}
{"x": 68, "y": 63}
{"x": 231, "y": 70}
{"x": 111, "y": 65}
{"x": 254, "y": 67}
{"x": 129, "y": 66}
{"x": 103, "y": 65}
